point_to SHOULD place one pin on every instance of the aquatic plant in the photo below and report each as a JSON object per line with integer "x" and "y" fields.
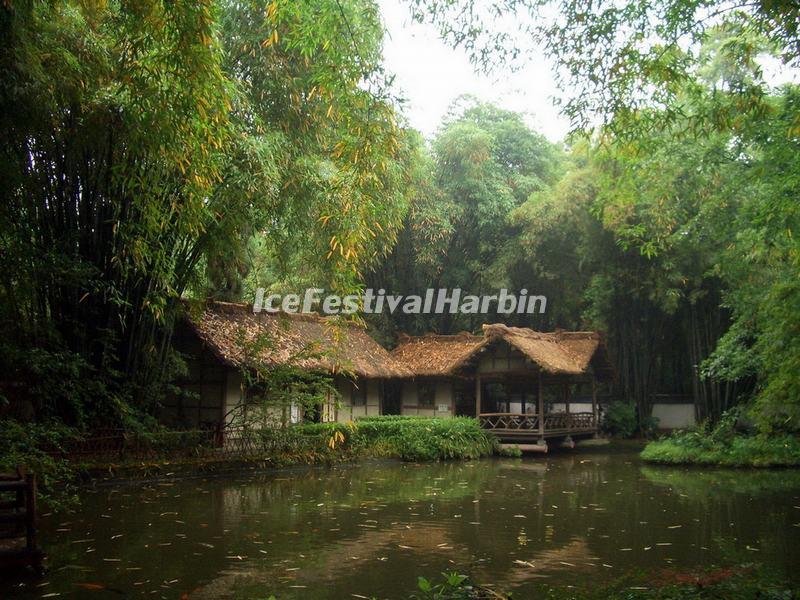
{"x": 453, "y": 586}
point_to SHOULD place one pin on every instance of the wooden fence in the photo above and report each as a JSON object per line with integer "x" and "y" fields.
{"x": 111, "y": 446}
{"x": 18, "y": 521}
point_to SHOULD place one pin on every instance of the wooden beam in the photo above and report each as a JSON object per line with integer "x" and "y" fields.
{"x": 477, "y": 394}
{"x": 540, "y": 400}
{"x": 594, "y": 402}
{"x": 528, "y": 447}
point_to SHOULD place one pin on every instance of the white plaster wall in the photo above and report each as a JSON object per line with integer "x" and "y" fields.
{"x": 674, "y": 416}
{"x": 234, "y": 395}
{"x": 574, "y": 407}
{"x": 346, "y": 411}
{"x": 442, "y": 404}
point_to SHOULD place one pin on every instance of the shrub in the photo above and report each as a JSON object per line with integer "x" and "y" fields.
{"x": 620, "y": 420}
{"x": 724, "y": 446}
{"x": 410, "y": 438}
{"x": 35, "y": 447}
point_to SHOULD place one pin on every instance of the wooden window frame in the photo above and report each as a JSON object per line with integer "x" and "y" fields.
{"x": 358, "y": 394}
{"x": 422, "y": 399}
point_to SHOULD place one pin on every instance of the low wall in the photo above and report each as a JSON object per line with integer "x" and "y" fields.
{"x": 674, "y": 416}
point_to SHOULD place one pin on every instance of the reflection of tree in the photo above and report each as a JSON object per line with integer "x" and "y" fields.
{"x": 705, "y": 484}
{"x": 349, "y": 528}
{"x": 297, "y": 495}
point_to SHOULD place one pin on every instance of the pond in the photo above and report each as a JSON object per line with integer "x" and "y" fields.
{"x": 572, "y": 518}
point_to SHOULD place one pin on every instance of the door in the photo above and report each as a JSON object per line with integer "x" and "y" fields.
{"x": 391, "y": 403}
{"x": 464, "y": 392}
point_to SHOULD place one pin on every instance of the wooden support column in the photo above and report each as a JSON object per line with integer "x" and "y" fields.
{"x": 594, "y": 402}
{"x": 566, "y": 398}
{"x": 540, "y": 401}
{"x": 477, "y": 395}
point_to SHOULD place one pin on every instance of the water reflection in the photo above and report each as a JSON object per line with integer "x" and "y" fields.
{"x": 577, "y": 518}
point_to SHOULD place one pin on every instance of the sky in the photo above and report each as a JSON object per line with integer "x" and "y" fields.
{"x": 430, "y": 75}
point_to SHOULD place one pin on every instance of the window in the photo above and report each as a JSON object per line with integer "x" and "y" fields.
{"x": 358, "y": 394}
{"x": 426, "y": 394}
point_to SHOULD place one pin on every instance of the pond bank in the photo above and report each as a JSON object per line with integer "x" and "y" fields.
{"x": 165, "y": 454}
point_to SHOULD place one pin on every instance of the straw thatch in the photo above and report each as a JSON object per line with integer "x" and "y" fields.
{"x": 432, "y": 355}
{"x": 570, "y": 353}
{"x": 239, "y": 337}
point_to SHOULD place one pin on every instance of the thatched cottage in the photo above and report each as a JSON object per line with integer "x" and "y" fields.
{"x": 225, "y": 340}
{"x": 506, "y": 377}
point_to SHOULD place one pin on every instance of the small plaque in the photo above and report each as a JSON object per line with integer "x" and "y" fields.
{"x": 444, "y": 408}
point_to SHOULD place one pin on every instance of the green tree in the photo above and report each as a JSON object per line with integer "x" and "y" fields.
{"x": 484, "y": 163}
{"x": 153, "y": 151}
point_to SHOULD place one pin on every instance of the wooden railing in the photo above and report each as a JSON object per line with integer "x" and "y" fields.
{"x": 18, "y": 521}
{"x": 530, "y": 422}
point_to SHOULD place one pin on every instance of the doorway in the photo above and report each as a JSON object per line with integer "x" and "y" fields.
{"x": 392, "y": 397}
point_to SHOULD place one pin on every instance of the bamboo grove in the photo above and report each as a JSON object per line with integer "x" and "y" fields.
{"x": 158, "y": 151}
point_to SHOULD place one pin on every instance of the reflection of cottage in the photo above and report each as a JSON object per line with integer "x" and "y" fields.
{"x": 524, "y": 385}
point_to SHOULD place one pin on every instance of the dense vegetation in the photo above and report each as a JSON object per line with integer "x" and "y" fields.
{"x": 149, "y": 151}
{"x": 725, "y": 444}
{"x": 409, "y": 438}
{"x": 154, "y": 152}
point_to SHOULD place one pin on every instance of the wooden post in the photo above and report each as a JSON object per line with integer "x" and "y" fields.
{"x": 540, "y": 400}
{"x": 30, "y": 511}
{"x": 477, "y": 395}
{"x": 566, "y": 398}
{"x": 594, "y": 403}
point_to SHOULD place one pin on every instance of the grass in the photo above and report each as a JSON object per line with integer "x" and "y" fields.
{"x": 725, "y": 445}
{"x": 700, "y": 448}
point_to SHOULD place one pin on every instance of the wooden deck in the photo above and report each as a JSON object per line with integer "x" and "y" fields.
{"x": 529, "y": 428}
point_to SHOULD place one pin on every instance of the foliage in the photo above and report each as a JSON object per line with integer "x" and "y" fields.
{"x": 149, "y": 150}
{"x": 485, "y": 162}
{"x": 723, "y": 445}
{"x": 616, "y": 61}
{"x": 619, "y": 420}
{"x": 35, "y": 448}
{"x": 270, "y": 390}
{"x": 411, "y": 438}
{"x": 676, "y": 220}
{"x": 453, "y": 586}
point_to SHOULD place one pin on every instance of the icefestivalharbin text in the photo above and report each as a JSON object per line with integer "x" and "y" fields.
{"x": 431, "y": 302}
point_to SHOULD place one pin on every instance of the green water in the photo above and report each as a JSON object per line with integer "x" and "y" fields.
{"x": 572, "y": 518}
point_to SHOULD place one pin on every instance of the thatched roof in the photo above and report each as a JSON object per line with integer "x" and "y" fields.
{"x": 431, "y": 355}
{"x": 239, "y": 337}
{"x": 557, "y": 353}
